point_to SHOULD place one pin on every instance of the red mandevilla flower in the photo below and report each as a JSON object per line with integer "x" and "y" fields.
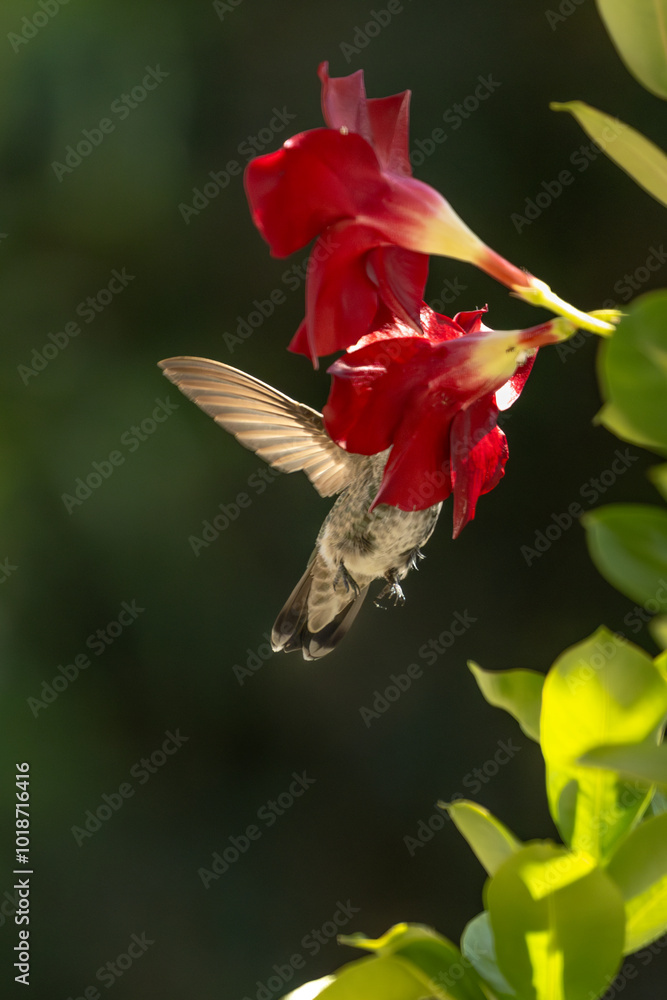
{"x": 434, "y": 400}
{"x": 351, "y": 186}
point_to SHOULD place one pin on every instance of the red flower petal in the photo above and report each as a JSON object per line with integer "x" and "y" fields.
{"x": 344, "y": 102}
{"x": 434, "y": 400}
{"x": 418, "y": 473}
{"x": 341, "y": 298}
{"x": 479, "y": 452}
{"x": 390, "y": 125}
{"x": 471, "y": 322}
{"x": 317, "y": 178}
{"x": 400, "y": 276}
{"x": 382, "y": 121}
{"x": 510, "y": 392}
{"x": 365, "y": 403}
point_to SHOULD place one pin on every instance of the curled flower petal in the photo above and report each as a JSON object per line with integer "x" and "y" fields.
{"x": 316, "y": 179}
{"x": 434, "y": 400}
{"x": 400, "y": 276}
{"x": 358, "y": 171}
{"x": 340, "y": 294}
{"x": 382, "y": 121}
{"x": 479, "y": 452}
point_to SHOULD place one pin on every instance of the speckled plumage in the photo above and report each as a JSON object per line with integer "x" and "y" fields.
{"x": 355, "y": 545}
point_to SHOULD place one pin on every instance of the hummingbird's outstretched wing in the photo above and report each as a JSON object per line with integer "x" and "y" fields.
{"x": 288, "y": 435}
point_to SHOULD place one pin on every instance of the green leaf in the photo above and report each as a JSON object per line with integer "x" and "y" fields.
{"x": 490, "y": 840}
{"x": 630, "y": 150}
{"x": 661, "y": 665}
{"x": 658, "y": 629}
{"x": 519, "y": 692}
{"x": 628, "y": 544}
{"x": 479, "y": 948}
{"x": 431, "y": 959}
{"x": 611, "y": 417}
{"x": 645, "y": 762}
{"x": 658, "y": 476}
{"x": 638, "y": 29}
{"x": 367, "y": 979}
{"x": 602, "y": 691}
{"x": 632, "y": 370}
{"x": 639, "y": 868}
{"x": 557, "y": 937}
{"x": 310, "y": 990}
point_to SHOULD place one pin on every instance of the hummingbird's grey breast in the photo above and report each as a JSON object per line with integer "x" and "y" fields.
{"x": 371, "y": 544}
{"x": 355, "y": 545}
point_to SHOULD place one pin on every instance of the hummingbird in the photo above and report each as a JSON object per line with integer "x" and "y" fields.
{"x": 355, "y": 545}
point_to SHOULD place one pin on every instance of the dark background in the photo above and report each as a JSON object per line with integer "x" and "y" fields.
{"x": 172, "y": 668}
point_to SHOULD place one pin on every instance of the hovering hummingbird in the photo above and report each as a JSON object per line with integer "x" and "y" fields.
{"x": 355, "y": 545}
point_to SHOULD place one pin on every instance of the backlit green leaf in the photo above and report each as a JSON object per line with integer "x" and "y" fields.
{"x": 658, "y": 476}
{"x": 519, "y": 692}
{"x": 628, "y": 544}
{"x": 638, "y": 29}
{"x": 645, "y": 762}
{"x": 630, "y": 150}
{"x": 558, "y": 923}
{"x": 428, "y": 957}
{"x": 632, "y": 370}
{"x": 490, "y": 840}
{"x": 639, "y": 868}
{"x": 614, "y": 420}
{"x": 602, "y": 691}
{"x": 479, "y": 948}
{"x": 367, "y": 979}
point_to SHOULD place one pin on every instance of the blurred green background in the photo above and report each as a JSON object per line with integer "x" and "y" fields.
{"x": 219, "y": 73}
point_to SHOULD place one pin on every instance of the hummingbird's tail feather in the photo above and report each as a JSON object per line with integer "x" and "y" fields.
{"x": 316, "y": 616}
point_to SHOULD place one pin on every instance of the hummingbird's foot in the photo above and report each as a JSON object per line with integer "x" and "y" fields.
{"x": 349, "y": 582}
{"x": 414, "y": 556}
{"x": 392, "y": 589}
